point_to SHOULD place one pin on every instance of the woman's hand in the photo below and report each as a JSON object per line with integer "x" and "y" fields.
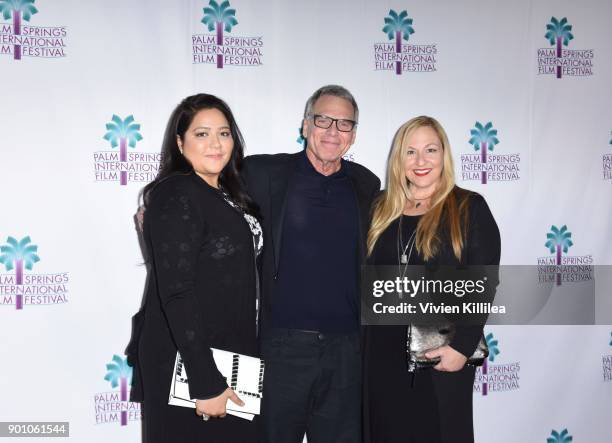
{"x": 450, "y": 360}
{"x": 215, "y": 407}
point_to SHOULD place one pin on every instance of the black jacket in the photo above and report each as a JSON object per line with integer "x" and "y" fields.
{"x": 201, "y": 289}
{"x": 267, "y": 179}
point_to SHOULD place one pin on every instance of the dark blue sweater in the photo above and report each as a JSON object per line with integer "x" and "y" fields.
{"x": 317, "y": 279}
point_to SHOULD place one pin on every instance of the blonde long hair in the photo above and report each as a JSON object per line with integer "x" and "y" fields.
{"x": 445, "y": 204}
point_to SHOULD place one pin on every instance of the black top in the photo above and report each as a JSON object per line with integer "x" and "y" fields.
{"x": 482, "y": 246}
{"x": 202, "y": 286}
{"x": 385, "y": 251}
{"x": 320, "y": 234}
{"x": 269, "y": 179}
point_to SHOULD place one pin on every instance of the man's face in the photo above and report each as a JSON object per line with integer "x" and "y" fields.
{"x": 329, "y": 145}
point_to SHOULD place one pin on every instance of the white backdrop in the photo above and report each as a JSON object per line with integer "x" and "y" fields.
{"x": 84, "y": 62}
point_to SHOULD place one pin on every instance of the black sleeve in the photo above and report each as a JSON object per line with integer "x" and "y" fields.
{"x": 374, "y": 194}
{"x": 252, "y": 177}
{"x": 176, "y": 232}
{"x": 483, "y": 248}
{"x": 375, "y": 191}
{"x": 376, "y": 187}
{"x": 244, "y": 171}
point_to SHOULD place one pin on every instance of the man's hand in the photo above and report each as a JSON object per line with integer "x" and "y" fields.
{"x": 450, "y": 360}
{"x": 215, "y": 407}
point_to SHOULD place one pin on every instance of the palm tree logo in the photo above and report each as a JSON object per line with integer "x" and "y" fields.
{"x": 220, "y": 17}
{"x": 492, "y": 345}
{"x": 484, "y": 138}
{"x": 556, "y": 437}
{"x": 16, "y": 254}
{"x": 301, "y": 140}
{"x": 493, "y": 351}
{"x": 123, "y": 133}
{"x": 558, "y": 240}
{"x": 398, "y": 27}
{"x": 120, "y": 373}
{"x": 18, "y": 9}
{"x": 558, "y": 32}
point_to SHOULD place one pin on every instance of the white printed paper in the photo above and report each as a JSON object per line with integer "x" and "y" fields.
{"x": 244, "y": 374}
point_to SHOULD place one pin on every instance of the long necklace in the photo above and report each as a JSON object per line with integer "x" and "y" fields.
{"x": 402, "y": 257}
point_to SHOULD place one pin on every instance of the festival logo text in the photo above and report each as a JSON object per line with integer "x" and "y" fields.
{"x": 559, "y": 267}
{"x": 20, "y": 288}
{"x": 121, "y": 165}
{"x": 606, "y": 362}
{"x": 113, "y": 406}
{"x": 486, "y": 166}
{"x": 607, "y": 164}
{"x": 563, "y": 62}
{"x": 223, "y": 50}
{"x": 23, "y": 40}
{"x": 400, "y": 57}
{"x": 496, "y": 377}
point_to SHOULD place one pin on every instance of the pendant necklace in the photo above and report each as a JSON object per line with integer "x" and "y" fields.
{"x": 402, "y": 257}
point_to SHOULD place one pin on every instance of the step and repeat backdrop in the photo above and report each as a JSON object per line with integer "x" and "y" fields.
{"x": 523, "y": 89}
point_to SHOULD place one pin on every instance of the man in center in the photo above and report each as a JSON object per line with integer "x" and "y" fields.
{"x": 315, "y": 209}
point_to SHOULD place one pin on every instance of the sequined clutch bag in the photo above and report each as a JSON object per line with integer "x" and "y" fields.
{"x": 424, "y": 338}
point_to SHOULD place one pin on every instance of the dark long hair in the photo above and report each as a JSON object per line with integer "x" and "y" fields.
{"x": 173, "y": 162}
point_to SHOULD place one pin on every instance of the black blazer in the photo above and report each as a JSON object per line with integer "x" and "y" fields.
{"x": 267, "y": 179}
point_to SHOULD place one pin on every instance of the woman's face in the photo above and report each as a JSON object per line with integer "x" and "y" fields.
{"x": 208, "y": 144}
{"x": 424, "y": 160}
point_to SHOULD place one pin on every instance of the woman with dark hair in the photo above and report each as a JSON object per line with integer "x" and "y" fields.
{"x": 423, "y": 218}
{"x": 202, "y": 237}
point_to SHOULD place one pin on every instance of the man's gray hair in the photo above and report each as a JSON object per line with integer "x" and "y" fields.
{"x": 334, "y": 91}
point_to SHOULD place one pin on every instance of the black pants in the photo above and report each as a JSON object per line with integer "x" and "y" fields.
{"x": 312, "y": 386}
{"x": 427, "y": 406}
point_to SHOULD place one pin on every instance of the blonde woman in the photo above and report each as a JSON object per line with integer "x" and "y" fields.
{"x": 441, "y": 223}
